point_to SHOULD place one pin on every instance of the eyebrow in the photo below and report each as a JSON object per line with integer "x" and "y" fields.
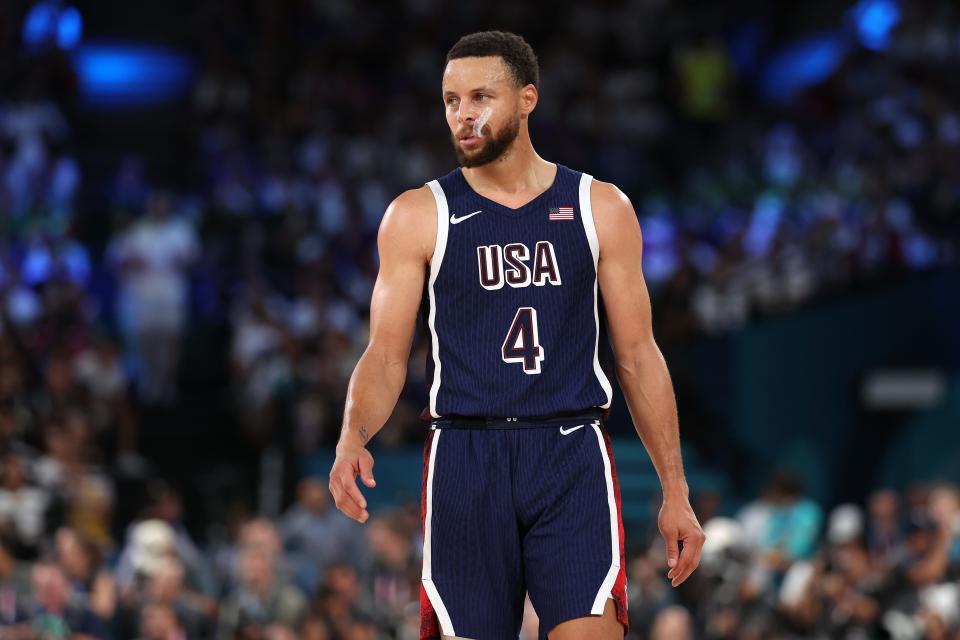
{"x": 483, "y": 89}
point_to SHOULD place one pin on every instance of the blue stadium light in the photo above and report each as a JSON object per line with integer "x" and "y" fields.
{"x": 40, "y": 24}
{"x": 131, "y": 75}
{"x": 47, "y": 24}
{"x": 802, "y": 64}
{"x": 874, "y": 21}
{"x": 69, "y": 28}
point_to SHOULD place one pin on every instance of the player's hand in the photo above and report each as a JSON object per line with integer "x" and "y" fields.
{"x": 350, "y": 462}
{"x": 677, "y": 522}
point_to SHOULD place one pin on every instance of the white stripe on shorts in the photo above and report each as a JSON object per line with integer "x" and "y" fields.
{"x": 606, "y": 587}
{"x": 446, "y": 625}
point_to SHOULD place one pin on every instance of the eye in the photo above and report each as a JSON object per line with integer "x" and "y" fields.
{"x": 452, "y": 100}
{"x": 482, "y": 96}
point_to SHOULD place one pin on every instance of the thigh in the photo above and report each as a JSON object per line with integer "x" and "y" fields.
{"x": 573, "y": 548}
{"x": 605, "y": 627}
{"x": 472, "y": 584}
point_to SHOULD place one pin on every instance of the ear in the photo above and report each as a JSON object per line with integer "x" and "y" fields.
{"x": 528, "y": 100}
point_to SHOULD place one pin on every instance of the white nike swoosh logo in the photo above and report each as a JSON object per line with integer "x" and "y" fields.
{"x": 566, "y": 432}
{"x": 455, "y": 220}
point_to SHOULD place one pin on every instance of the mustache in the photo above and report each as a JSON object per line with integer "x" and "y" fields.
{"x": 468, "y": 132}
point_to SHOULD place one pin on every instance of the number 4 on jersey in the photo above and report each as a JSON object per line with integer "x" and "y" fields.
{"x": 522, "y": 343}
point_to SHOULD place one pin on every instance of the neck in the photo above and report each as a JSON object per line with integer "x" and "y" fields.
{"x": 518, "y": 170}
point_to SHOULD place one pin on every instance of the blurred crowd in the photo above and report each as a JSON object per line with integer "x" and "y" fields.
{"x": 778, "y": 567}
{"x": 311, "y": 574}
{"x": 782, "y": 568}
{"x": 304, "y": 130}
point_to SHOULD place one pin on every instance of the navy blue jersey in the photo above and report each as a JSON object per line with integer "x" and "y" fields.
{"x": 512, "y": 303}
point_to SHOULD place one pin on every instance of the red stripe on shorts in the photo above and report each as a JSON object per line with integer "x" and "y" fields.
{"x": 429, "y": 624}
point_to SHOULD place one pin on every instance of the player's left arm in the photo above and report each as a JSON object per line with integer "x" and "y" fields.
{"x": 642, "y": 371}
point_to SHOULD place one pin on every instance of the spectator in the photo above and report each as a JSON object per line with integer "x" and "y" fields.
{"x": 153, "y": 259}
{"x": 673, "y": 623}
{"x": 343, "y": 601}
{"x": 150, "y": 570}
{"x": 14, "y": 584}
{"x": 100, "y": 370}
{"x": 262, "y": 597}
{"x": 316, "y": 532}
{"x": 150, "y": 543}
{"x": 195, "y": 612}
{"x": 164, "y": 504}
{"x": 927, "y": 549}
{"x": 91, "y": 583}
{"x": 160, "y": 622}
{"x": 56, "y": 613}
{"x": 23, "y": 507}
{"x": 791, "y": 533}
{"x": 884, "y": 534}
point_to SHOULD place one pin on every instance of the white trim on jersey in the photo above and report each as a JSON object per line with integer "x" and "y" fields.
{"x": 586, "y": 216}
{"x": 606, "y": 587}
{"x": 446, "y": 625}
{"x": 438, "y": 250}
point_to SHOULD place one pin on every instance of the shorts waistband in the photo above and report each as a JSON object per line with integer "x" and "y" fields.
{"x": 469, "y": 422}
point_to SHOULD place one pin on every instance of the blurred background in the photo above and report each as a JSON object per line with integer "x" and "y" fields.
{"x": 189, "y": 196}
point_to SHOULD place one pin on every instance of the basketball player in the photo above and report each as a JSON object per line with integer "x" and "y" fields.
{"x": 510, "y": 255}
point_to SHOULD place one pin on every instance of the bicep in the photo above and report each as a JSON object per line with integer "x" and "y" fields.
{"x": 394, "y": 304}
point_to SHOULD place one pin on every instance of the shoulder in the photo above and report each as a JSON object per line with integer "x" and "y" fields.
{"x": 410, "y": 221}
{"x": 607, "y": 199}
{"x": 412, "y": 207}
{"x": 613, "y": 213}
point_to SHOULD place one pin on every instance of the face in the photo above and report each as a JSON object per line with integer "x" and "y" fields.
{"x": 261, "y": 535}
{"x": 883, "y": 505}
{"x": 256, "y": 568}
{"x": 158, "y": 621}
{"x": 473, "y": 86}
{"x": 74, "y": 558}
{"x": 14, "y": 474}
{"x": 313, "y": 495}
{"x": 167, "y": 583}
{"x": 51, "y": 588}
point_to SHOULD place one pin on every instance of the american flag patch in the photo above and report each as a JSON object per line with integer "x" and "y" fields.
{"x": 561, "y": 213}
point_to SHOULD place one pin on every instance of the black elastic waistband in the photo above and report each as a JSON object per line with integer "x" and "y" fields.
{"x": 470, "y": 422}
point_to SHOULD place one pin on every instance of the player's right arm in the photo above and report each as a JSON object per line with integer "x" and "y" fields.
{"x": 405, "y": 243}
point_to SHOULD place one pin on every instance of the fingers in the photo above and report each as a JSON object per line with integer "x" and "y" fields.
{"x": 346, "y": 494}
{"x": 366, "y": 469}
{"x": 347, "y": 501}
{"x": 689, "y": 558}
{"x": 673, "y": 551}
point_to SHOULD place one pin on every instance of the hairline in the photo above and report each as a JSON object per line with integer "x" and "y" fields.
{"x": 511, "y": 72}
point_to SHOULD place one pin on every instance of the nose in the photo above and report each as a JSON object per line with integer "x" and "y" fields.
{"x": 466, "y": 114}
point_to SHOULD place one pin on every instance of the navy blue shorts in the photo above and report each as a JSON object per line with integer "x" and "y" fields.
{"x": 509, "y": 510}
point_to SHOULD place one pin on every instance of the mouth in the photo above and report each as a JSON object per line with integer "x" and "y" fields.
{"x": 469, "y": 140}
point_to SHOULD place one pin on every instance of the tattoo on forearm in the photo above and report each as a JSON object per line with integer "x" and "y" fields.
{"x": 363, "y": 434}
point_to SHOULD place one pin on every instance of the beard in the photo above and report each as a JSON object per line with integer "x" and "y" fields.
{"x": 493, "y": 149}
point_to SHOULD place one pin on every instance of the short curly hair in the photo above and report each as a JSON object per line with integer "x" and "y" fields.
{"x": 515, "y": 51}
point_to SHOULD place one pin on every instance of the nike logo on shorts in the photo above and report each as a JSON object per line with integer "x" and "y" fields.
{"x": 566, "y": 432}
{"x": 455, "y": 220}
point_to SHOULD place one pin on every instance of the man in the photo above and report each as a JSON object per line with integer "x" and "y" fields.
{"x": 56, "y": 612}
{"x": 153, "y": 258}
{"x": 520, "y": 491}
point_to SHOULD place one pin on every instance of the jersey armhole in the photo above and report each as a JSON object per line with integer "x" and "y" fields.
{"x": 436, "y": 262}
{"x": 590, "y": 229}
{"x": 586, "y": 217}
